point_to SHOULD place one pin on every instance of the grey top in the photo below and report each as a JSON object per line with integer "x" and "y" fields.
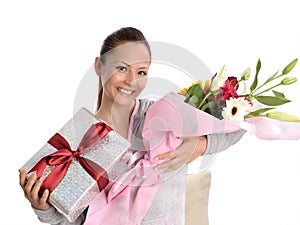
{"x": 169, "y": 202}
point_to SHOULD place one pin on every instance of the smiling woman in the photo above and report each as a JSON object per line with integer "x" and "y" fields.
{"x": 123, "y": 74}
{"x": 122, "y": 69}
{"x": 116, "y": 46}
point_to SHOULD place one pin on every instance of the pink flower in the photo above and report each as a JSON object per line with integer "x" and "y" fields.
{"x": 229, "y": 89}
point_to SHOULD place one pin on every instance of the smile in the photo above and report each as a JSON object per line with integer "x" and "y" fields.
{"x": 125, "y": 91}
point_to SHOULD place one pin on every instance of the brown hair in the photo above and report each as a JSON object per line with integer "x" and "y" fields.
{"x": 121, "y": 36}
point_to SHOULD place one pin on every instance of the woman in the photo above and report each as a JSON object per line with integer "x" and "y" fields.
{"x": 122, "y": 68}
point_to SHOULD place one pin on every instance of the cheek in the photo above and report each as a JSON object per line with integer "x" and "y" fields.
{"x": 109, "y": 83}
{"x": 110, "y": 79}
{"x": 108, "y": 74}
{"x": 142, "y": 83}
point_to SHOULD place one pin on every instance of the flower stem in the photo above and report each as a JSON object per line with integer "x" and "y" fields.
{"x": 266, "y": 82}
{"x": 203, "y": 100}
{"x": 267, "y": 89}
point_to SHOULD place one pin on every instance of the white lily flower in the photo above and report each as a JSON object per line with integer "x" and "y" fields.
{"x": 220, "y": 79}
{"x": 242, "y": 90}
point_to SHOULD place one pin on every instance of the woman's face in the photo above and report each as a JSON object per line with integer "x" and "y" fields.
{"x": 124, "y": 72}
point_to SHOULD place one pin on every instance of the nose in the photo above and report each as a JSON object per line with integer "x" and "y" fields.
{"x": 131, "y": 77}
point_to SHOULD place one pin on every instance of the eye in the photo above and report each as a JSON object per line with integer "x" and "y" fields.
{"x": 121, "y": 68}
{"x": 142, "y": 73}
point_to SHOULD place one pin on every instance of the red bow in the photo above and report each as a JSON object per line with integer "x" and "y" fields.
{"x": 64, "y": 156}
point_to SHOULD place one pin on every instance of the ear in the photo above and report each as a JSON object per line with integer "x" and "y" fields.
{"x": 97, "y": 66}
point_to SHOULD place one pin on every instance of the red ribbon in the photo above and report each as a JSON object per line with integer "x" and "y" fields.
{"x": 62, "y": 158}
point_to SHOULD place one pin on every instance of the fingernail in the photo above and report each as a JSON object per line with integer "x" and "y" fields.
{"x": 20, "y": 170}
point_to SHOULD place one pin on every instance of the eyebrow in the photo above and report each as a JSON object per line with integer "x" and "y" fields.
{"x": 143, "y": 67}
{"x": 122, "y": 62}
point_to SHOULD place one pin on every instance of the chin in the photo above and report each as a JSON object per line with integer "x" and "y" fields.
{"x": 124, "y": 101}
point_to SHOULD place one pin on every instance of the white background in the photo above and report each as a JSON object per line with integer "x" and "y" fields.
{"x": 47, "y": 46}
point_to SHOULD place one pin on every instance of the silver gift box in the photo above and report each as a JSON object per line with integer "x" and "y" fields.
{"x": 77, "y": 189}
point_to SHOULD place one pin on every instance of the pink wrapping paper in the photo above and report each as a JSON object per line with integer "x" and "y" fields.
{"x": 166, "y": 120}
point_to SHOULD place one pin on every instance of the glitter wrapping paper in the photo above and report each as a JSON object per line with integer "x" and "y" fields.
{"x": 77, "y": 188}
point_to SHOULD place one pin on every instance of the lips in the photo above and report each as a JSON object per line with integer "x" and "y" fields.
{"x": 125, "y": 91}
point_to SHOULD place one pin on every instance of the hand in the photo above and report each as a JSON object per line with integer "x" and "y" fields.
{"x": 188, "y": 151}
{"x": 31, "y": 189}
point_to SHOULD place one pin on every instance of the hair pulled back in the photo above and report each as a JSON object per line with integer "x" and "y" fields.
{"x": 121, "y": 36}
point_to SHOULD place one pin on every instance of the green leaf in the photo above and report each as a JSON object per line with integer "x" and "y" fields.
{"x": 193, "y": 90}
{"x": 255, "y": 81}
{"x": 278, "y": 94}
{"x": 194, "y": 101}
{"x": 212, "y": 108}
{"x": 198, "y": 91}
{"x": 259, "y": 112}
{"x": 258, "y": 66}
{"x": 272, "y": 100}
{"x": 214, "y": 76}
{"x": 204, "y": 107}
{"x": 290, "y": 66}
{"x": 209, "y": 105}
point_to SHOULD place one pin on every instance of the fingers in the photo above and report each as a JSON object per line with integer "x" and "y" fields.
{"x": 169, "y": 165}
{"x": 171, "y": 161}
{"x": 35, "y": 189}
{"x": 31, "y": 188}
{"x": 174, "y": 160}
{"x": 164, "y": 156}
{"x": 22, "y": 178}
{"x": 190, "y": 149}
{"x": 172, "y": 154}
{"x": 45, "y": 197}
{"x": 179, "y": 157}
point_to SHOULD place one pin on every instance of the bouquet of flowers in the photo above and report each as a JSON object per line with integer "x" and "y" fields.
{"x": 227, "y": 98}
{"x": 224, "y": 107}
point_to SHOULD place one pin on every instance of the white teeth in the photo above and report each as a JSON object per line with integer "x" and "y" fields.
{"x": 124, "y": 91}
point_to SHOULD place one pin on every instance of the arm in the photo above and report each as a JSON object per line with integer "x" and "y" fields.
{"x": 45, "y": 212}
{"x": 220, "y": 142}
{"x": 193, "y": 147}
{"x": 52, "y": 216}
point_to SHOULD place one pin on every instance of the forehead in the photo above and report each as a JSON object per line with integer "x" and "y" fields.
{"x": 131, "y": 53}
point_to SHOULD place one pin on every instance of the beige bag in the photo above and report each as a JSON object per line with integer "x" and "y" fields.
{"x": 197, "y": 195}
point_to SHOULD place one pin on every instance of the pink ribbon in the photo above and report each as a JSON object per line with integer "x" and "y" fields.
{"x": 128, "y": 198}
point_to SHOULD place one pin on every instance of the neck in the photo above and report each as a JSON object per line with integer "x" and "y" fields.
{"x": 113, "y": 113}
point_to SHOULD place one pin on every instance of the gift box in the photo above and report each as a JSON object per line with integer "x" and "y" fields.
{"x": 78, "y": 161}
